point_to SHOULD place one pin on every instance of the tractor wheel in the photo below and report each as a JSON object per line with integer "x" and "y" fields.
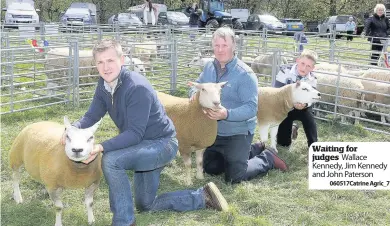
{"x": 237, "y": 25}
{"x": 213, "y": 23}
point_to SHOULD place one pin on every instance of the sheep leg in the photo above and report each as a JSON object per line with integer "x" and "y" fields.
{"x": 383, "y": 118}
{"x": 263, "y": 130}
{"x": 274, "y": 133}
{"x": 343, "y": 120}
{"x": 55, "y": 197}
{"x": 89, "y": 191}
{"x": 16, "y": 180}
{"x": 199, "y": 164}
{"x": 187, "y": 164}
{"x": 357, "y": 114}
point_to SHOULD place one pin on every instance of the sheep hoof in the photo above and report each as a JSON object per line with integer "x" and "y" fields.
{"x": 199, "y": 176}
{"x": 91, "y": 222}
{"x": 188, "y": 181}
{"x": 18, "y": 199}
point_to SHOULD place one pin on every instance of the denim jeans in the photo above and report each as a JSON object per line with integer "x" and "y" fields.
{"x": 237, "y": 158}
{"x": 147, "y": 159}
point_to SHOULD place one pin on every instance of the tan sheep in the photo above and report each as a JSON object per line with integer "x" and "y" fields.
{"x": 38, "y": 148}
{"x": 275, "y": 104}
{"x": 195, "y": 131}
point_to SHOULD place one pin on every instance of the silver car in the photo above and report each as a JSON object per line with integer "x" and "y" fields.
{"x": 174, "y": 18}
{"x": 125, "y": 20}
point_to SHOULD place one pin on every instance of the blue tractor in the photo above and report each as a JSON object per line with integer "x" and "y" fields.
{"x": 213, "y": 15}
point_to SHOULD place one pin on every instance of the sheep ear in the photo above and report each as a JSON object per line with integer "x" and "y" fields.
{"x": 94, "y": 127}
{"x": 222, "y": 84}
{"x": 298, "y": 83}
{"x": 66, "y": 122}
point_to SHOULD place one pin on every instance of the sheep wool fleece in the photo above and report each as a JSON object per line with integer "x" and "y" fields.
{"x": 134, "y": 108}
{"x": 239, "y": 96}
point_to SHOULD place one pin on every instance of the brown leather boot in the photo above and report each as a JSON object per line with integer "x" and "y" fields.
{"x": 278, "y": 162}
{"x": 213, "y": 198}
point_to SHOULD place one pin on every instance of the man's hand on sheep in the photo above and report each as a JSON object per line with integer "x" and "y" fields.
{"x": 216, "y": 114}
{"x": 300, "y": 106}
{"x": 96, "y": 149}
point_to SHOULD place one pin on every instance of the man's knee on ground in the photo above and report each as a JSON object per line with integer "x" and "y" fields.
{"x": 213, "y": 167}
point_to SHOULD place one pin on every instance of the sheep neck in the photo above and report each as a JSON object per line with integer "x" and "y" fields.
{"x": 285, "y": 102}
{"x": 81, "y": 165}
{"x": 288, "y": 99}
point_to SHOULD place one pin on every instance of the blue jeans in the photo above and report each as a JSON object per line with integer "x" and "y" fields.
{"x": 237, "y": 158}
{"x": 147, "y": 159}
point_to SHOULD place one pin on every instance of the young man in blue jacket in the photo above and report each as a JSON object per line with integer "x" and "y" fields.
{"x": 232, "y": 152}
{"x": 146, "y": 142}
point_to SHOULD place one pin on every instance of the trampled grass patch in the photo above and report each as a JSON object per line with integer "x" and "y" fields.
{"x": 274, "y": 199}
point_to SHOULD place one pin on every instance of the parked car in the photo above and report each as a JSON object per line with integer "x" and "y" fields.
{"x": 125, "y": 20}
{"x": 335, "y": 22}
{"x": 293, "y": 25}
{"x": 258, "y": 22}
{"x": 173, "y": 18}
{"x": 79, "y": 14}
{"x": 20, "y": 12}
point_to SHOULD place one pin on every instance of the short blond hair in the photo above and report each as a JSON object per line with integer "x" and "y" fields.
{"x": 309, "y": 54}
{"x": 379, "y": 6}
{"x": 106, "y": 44}
{"x": 224, "y": 32}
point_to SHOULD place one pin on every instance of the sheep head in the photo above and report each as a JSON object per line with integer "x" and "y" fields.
{"x": 79, "y": 142}
{"x": 303, "y": 92}
{"x": 209, "y": 94}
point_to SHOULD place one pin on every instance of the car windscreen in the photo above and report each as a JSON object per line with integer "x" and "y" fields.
{"x": 342, "y": 19}
{"x": 178, "y": 15}
{"x": 21, "y": 6}
{"x": 268, "y": 19}
{"x": 123, "y": 16}
{"x": 77, "y": 11}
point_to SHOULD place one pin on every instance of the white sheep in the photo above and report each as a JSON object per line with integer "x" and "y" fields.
{"x": 350, "y": 93}
{"x": 57, "y": 64}
{"x": 38, "y": 148}
{"x": 199, "y": 61}
{"x": 248, "y": 60}
{"x": 137, "y": 64}
{"x": 195, "y": 131}
{"x": 145, "y": 51}
{"x": 275, "y": 104}
{"x": 325, "y": 66}
{"x": 381, "y": 91}
{"x": 262, "y": 64}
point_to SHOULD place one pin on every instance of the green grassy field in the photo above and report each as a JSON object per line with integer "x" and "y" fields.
{"x": 275, "y": 199}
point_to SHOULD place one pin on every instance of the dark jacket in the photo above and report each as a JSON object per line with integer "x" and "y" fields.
{"x": 134, "y": 108}
{"x": 377, "y": 26}
{"x": 194, "y": 16}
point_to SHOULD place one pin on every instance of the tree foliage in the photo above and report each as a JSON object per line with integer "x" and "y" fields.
{"x": 307, "y": 10}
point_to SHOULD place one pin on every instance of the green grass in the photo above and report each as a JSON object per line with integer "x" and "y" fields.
{"x": 275, "y": 199}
